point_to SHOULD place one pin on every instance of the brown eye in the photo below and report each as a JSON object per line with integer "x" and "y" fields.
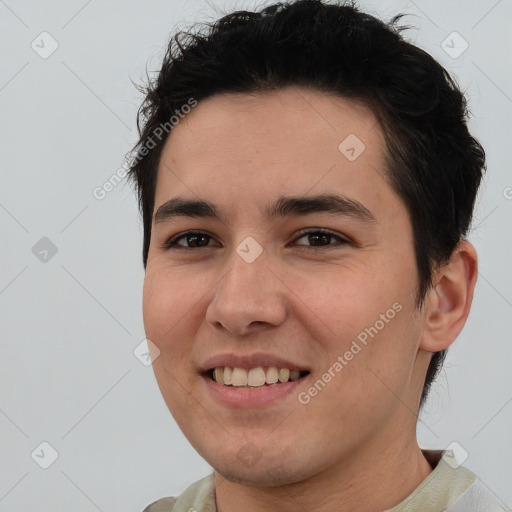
{"x": 320, "y": 238}
{"x": 196, "y": 240}
{"x": 191, "y": 239}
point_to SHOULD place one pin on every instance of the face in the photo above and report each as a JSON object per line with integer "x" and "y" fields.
{"x": 300, "y": 258}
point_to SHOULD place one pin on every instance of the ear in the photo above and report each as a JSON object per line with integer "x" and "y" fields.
{"x": 449, "y": 300}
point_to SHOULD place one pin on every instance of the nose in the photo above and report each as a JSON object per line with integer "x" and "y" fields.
{"x": 249, "y": 298}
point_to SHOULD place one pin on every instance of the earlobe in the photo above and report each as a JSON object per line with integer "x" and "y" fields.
{"x": 449, "y": 299}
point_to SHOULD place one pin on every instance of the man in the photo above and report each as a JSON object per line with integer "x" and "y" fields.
{"x": 307, "y": 179}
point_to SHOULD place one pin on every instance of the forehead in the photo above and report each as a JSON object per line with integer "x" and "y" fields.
{"x": 287, "y": 142}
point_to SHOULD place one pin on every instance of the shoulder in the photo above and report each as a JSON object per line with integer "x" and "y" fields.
{"x": 161, "y": 505}
{"x": 476, "y": 499}
{"x": 199, "y": 496}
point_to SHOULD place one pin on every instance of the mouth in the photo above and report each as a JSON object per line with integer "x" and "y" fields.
{"x": 249, "y": 381}
{"x": 257, "y": 377}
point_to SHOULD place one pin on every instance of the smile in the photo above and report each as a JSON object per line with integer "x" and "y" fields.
{"x": 254, "y": 377}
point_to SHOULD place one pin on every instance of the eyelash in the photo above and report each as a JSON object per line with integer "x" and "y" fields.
{"x": 171, "y": 244}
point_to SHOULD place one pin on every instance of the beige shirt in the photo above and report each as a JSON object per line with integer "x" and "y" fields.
{"x": 437, "y": 492}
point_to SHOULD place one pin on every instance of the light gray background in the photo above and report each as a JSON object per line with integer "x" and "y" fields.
{"x": 69, "y": 325}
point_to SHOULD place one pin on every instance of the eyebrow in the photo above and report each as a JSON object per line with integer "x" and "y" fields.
{"x": 282, "y": 207}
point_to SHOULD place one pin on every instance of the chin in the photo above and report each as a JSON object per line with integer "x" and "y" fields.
{"x": 263, "y": 472}
{"x": 264, "y": 477}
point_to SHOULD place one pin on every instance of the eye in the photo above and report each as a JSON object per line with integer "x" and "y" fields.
{"x": 317, "y": 238}
{"x": 194, "y": 239}
{"x": 320, "y": 238}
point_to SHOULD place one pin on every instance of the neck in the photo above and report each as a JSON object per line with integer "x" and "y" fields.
{"x": 371, "y": 480}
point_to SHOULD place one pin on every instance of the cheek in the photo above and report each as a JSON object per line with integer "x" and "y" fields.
{"x": 365, "y": 315}
{"x": 163, "y": 305}
{"x": 155, "y": 304}
{"x": 343, "y": 299}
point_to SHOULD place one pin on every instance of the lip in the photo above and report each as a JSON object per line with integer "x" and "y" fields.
{"x": 251, "y": 397}
{"x": 249, "y": 361}
{"x": 242, "y": 397}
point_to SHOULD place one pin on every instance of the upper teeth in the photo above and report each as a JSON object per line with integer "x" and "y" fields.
{"x": 254, "y": 377}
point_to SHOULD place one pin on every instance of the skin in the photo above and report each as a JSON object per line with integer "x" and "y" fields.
{"x": 357, "y": 435}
